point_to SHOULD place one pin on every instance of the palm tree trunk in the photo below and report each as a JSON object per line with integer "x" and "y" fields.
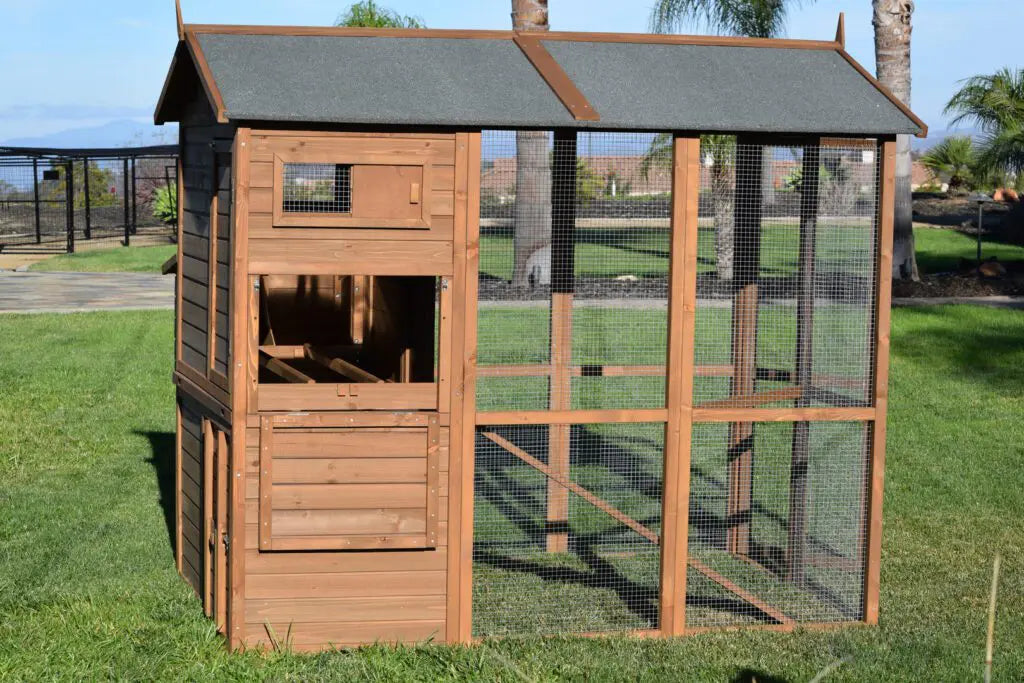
{"x": 892, "y": 57}
{"x": 532, "y": 211}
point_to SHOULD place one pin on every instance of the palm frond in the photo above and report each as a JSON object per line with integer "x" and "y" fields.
{"x": 992, "y": 101}
{"x": 754, "y": 18}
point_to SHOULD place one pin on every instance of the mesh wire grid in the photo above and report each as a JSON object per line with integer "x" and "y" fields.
{"x": 26, "y": 223}
{"x": 813, "y": 576}
{"x": 789, "y": 306}
{"x": 317, "y": 188}
{"x": 572, "y": 301}
{"x": 606, "y": 576}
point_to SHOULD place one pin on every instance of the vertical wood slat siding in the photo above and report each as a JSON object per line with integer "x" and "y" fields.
{"x": 886, "y": 207}
{"x": 682, "y": 305}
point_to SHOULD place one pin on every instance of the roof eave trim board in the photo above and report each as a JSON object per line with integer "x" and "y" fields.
{"x": 206, "y": 77}
{"x": 897, "y": 102}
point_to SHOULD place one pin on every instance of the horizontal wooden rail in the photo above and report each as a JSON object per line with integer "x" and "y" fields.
{"x": 753, "y": 400}
{"x": 783, "y": 414}
{"x": 636, "y": 526}
{"x": 598, "y": 370}
{"x": 562, "y": 417}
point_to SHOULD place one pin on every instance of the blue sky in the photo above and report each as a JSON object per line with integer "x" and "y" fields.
{"x": 70, "y": 64}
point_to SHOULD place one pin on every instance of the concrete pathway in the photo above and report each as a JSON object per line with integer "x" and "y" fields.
{"x": 75, "y": 292}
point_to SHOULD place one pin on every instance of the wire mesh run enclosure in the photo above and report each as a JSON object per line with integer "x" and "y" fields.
{"x": 587, "y": 345}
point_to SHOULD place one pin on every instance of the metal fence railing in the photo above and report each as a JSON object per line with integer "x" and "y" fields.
{"x": 115, "y": 196}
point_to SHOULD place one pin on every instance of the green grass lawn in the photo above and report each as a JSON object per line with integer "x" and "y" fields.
{"x": 88, "y": 587}
{"x": 116, "y": 260}
{"x": 939, "y": 250}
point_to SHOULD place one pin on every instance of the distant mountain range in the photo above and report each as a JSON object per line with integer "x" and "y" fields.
{"x": 119, "y": 133}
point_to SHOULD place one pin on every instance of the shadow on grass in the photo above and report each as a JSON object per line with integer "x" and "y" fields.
{"x": 161, "y": 457}
{"x": 986, "y": 352}
{"x": 755, "y": 675}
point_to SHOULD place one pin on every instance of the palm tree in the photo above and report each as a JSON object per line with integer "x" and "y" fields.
{"x": 531, "y": 238}
{"x": 368, "y": 13}
{"x": 891, "y": 19}
{"x": 995, "y": 103}
{"x": 719, "y": 154}
{"x": 753, "y": 18}
{"x": 953, "y": 157}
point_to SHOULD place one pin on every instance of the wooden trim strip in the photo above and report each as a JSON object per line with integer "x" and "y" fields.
{"x": 206, "y": 77}
{"x": 177, "y": 486}
{"x": 555, "y": 417}
{"x": 581, "y": 36}
{"x": 783, "y": 414}
{"x": 682, "y": 305}
{"x": 556, "y": 78}
{"x": 352, "y": 419}
{"x": 208, "y": 531}
{"x": 266, "y": 481}
{"x": 876, "y": 464}
{"x": 567, "y": 483}
{"x": 433, "y": 479}
{"x": 897, "y": 102}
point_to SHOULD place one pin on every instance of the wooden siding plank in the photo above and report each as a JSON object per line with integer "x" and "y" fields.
{"x": 349, "y": 609}
{"x": 350, "y": 470}
{"x": 355, "y": 584}
{"x": 329, "y": 257}
{"x": 349, "y": 496}
{"x": 286, "y": 397}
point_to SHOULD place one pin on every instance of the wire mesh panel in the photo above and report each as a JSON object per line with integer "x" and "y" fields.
{"x": 787, "y": 261}
{"x": 607, "y": 578}
{"x": 33, "y": 205}
{"x": 514, "y": 328}
{"x": 573, "y": 270}
{"x": 621, "y": 245}
{"x": 317, "y": 188}
{"x": 804, "y": 560}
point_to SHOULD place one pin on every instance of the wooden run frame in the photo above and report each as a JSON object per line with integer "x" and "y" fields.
{"x": 680, "y": 414}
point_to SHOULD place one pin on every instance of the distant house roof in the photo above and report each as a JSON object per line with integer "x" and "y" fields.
{"x": 512, "y": 80}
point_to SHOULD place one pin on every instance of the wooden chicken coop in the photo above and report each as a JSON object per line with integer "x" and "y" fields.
{"x": 484, "y": 333}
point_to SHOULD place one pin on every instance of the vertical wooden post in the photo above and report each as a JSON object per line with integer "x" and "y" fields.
{"x": 804, "y": 362}
{"x": 472, "y": 199}
{"x": 563, "y": 225}
{"x": 886, "y": 208}
{"x": 240, "y": 315}
{"x": 462, "y": 305}
{"x": 682, "y": 305}
{"x": 746, "y": 264}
